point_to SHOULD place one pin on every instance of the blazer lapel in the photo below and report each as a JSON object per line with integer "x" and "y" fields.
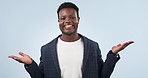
{"x": 86, "y": 52}
{"x": 54, "y": 55}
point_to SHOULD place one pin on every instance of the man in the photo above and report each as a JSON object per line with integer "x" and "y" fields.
{"x": 71, "y": 55}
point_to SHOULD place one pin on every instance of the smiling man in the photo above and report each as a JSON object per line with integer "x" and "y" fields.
{"x": 71, "y": 55}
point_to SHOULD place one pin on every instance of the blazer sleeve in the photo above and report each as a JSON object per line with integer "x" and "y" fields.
{"x": 34, "y": 70}
{"x": 109, "y": 64}
{"x": 106, "y": 68}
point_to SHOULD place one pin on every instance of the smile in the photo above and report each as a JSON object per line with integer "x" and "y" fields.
{"x": 69, "y": 26}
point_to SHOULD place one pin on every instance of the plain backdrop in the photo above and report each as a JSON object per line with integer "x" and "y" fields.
{"x": 26, "y": 25}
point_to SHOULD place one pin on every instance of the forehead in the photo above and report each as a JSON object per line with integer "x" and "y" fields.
{"x": 67, "y": 11}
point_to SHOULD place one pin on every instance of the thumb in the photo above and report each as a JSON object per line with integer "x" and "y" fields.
{"x": 22, "y": 54}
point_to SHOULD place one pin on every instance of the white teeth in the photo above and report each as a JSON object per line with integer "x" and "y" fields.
{"x": 67, "y": 26}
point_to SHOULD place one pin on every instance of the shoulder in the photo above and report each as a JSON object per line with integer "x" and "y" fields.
{"x": 50, "y": 44}
{"x": 88, "y": 41}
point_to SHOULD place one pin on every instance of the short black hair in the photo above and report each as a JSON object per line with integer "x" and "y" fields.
{"x": 68, "y": 5}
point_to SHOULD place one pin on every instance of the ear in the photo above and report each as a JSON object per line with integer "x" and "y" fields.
{"x": 78, "y": 19}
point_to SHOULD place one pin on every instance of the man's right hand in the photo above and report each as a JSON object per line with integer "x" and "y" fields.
{"x": 26, "y": 59}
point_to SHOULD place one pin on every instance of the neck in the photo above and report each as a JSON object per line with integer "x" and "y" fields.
{"x": 70, "y": 38}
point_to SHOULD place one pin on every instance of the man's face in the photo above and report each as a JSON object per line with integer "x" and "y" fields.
{"x": 68, "y": 21}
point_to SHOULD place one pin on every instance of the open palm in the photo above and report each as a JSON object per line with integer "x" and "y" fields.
{"x": 24, "y": 59}
{"x": 119, "y": 47}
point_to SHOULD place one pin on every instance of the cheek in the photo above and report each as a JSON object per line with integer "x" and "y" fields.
{"x": 60, "y": 23}
{"x": 77, "y": 21}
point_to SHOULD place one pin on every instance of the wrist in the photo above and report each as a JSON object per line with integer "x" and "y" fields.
{"x": 114, "y": 53}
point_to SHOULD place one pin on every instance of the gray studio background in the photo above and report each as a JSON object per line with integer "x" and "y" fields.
{"x": 26, "y": 25}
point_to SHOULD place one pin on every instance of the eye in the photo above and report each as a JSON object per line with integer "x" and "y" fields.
{"x": 62, "y": 18}
{"x": 72, "y": 17}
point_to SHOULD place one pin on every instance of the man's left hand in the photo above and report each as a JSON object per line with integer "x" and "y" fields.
{"x": 119, "y": 47}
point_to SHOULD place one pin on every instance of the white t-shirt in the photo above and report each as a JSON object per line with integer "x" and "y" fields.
{"x": 70, "y": 56}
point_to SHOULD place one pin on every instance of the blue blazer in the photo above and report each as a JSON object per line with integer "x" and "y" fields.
{"x": 93, "y": 65}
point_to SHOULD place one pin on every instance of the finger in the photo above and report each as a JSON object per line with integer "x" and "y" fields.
{"x": 19, "y": 60}
{"x": 130, "y": 42}
{"x": 13, "y": 57}
{"x": 10, "y": 56}
{"x": 119, "y": 45}
{"x": 16, "y": 58}
{"x": 127, "y": 43}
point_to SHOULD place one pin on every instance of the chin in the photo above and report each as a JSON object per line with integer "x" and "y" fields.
{"x": 68, "y": 33}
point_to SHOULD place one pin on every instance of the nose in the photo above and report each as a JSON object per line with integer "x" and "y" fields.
{"x": 68, "y": 20}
